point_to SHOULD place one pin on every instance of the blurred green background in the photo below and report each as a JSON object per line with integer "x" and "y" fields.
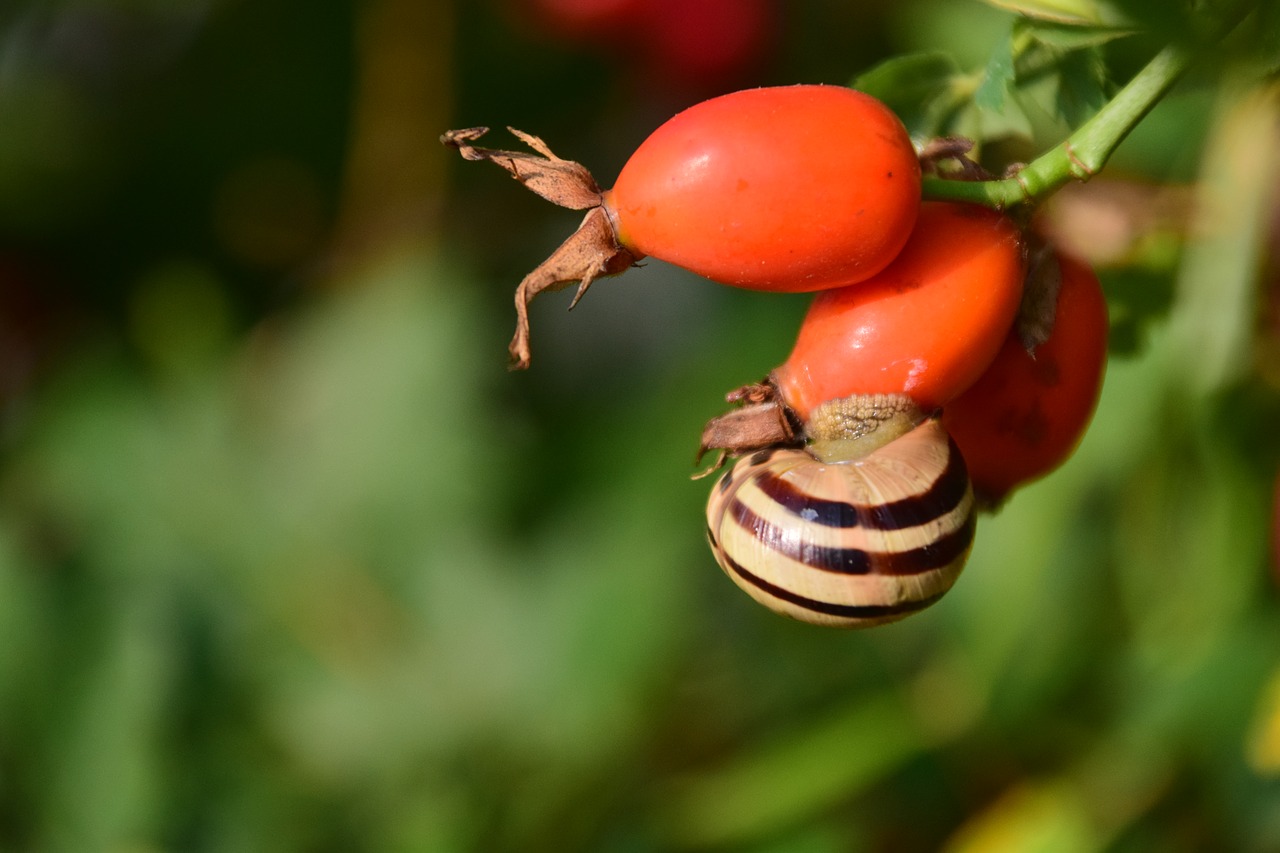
{"x": 289, "y": 561}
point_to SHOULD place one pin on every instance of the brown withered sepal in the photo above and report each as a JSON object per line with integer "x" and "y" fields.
{"x": 760, "y": 421}
{"x": 1039, "y": 307}
{"x": 591, "y": 252}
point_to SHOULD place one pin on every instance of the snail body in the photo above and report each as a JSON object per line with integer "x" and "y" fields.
{"x": 844, "y": 534}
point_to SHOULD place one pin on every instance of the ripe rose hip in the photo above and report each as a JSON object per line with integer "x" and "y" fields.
{"x": 791, "y": 188}
{"x": 1027, "y": 412}
{"x": 927, "y": 325}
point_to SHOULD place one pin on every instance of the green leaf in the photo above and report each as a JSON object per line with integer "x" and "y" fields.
{"x": 1071, "y": 37}
{"x": 925, "y": 90}
{"x": 1076, "y": 12}
{"x": 910, "y": 77}
{"x": 1082, "y": 80}
{"x": 1040, "y": 67}
{"x": 999, "y": 111}
{"x": 1063, "y": 78}
{"x": 998, "y": 78}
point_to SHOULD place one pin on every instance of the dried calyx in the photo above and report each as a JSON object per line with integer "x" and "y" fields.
{"x": 761, "y": 421}
{"x": 847, "y": 428}
{"x": 1038, "y": 311}
{"x": 593, "y": 251}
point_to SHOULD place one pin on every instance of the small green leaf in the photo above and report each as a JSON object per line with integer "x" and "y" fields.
{"x": 1063, "y": 77}
{"x": 925, "y": 90}
{"x": 999, "y": 112}
{"x": 1082, "y": 80}
{"x": 910, "y": 77}
{"x": 997, "y": 78}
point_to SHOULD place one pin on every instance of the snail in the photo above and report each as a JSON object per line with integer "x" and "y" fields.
{"x": 869, "y": 521}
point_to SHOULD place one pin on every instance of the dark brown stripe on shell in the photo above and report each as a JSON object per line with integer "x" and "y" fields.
{"x": 942, "y": 496}
{"x": 830, "y": 608}
{"x": 856, "y": 561}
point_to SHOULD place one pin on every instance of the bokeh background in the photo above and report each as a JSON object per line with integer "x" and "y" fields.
{"x": 289, "y": 561}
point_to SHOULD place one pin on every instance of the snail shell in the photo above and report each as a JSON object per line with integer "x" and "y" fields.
{"x": 848, "y": 542}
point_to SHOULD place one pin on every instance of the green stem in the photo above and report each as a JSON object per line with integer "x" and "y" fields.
{"x": 1083, "y": 153}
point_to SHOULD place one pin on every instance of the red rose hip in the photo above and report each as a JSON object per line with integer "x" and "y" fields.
{"x": 1026, "y": 414}
{"x": 791, "y": 188}
{"x": 926, "y": 326}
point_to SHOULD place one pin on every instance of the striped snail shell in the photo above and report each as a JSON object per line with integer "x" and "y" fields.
{"x": 839, "y": 534}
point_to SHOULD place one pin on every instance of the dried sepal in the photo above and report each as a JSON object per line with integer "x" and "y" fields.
{"x": 591, "y": 252}
{"x": 762, "y": 421}
{"x": 752, "y": 427}
{"x": 562, "y": 182}
{"x": 756, "y": 392}
{"x": 949, "y": 157}
{"x": 1039, "y": 307}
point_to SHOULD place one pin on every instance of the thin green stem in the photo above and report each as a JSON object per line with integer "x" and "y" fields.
{"x": 1083, "y": 153}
